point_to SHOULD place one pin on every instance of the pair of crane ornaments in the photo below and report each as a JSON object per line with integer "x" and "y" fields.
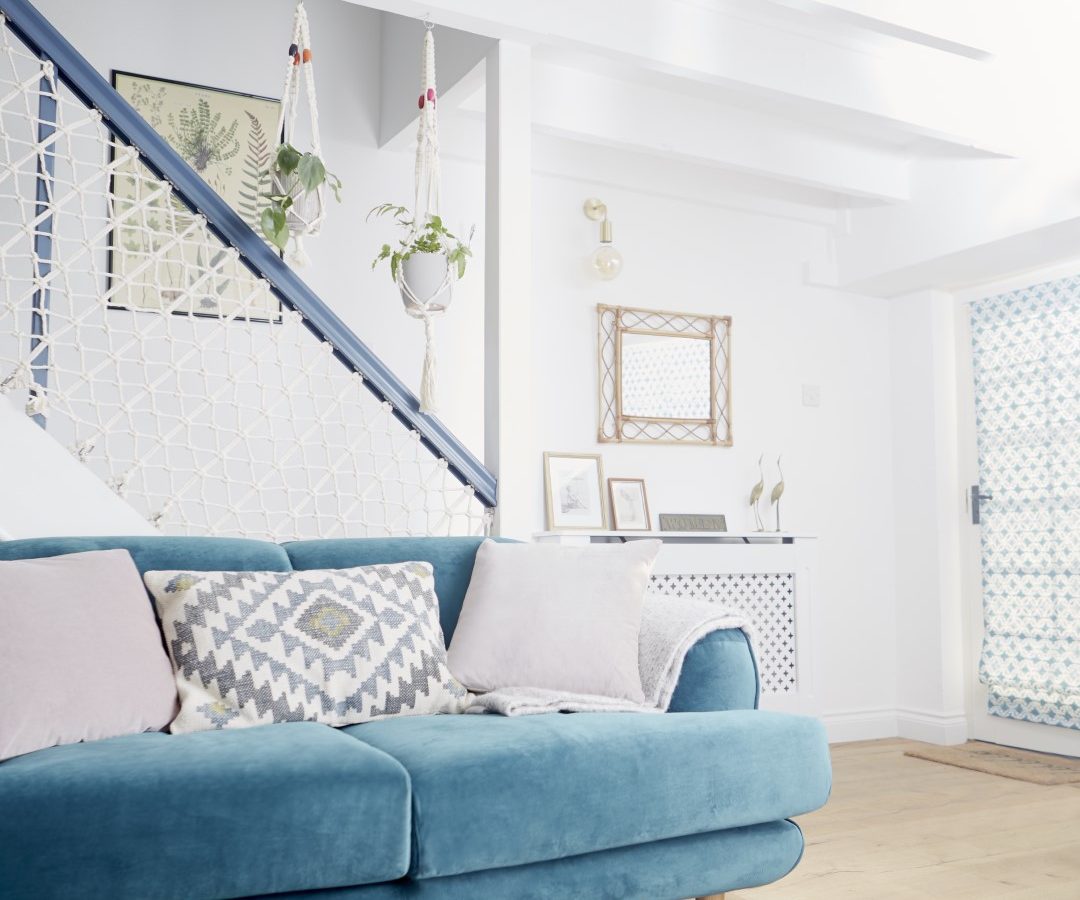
{"x": 758, "y": 490}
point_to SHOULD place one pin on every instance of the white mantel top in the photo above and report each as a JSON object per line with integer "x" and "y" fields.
{"x": 756, "y": 536}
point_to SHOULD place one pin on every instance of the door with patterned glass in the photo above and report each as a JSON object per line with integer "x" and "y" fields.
{"x": 1020, "y": 400}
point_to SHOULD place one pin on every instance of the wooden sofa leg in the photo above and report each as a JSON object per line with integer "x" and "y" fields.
{"x": 712, "y": 897}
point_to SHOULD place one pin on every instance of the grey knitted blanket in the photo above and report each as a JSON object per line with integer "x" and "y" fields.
{"x": 670, "y": 626}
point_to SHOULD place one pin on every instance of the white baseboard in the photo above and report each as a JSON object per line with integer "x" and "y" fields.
{"x": 860, "y": 725}
{"x": 932, "y": 727}
{"x": 914, "y": 724}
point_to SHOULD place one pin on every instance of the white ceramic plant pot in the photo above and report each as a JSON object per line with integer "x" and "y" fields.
{"x": 426, "y": 276}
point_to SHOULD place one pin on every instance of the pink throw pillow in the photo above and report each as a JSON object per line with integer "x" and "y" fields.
{"x": 81, "y": 656}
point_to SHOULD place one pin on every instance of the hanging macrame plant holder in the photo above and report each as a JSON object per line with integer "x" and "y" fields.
{"x": 426, "y": 280}
{"x": 304, "y": 217}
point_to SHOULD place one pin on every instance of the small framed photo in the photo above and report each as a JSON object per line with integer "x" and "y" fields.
{"x": 575, "y": 498}
{"x": 629, "y": 505}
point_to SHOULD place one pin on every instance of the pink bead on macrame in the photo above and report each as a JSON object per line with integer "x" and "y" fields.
{"x": 421, "y": 101}
{"x": 431, "y": 94}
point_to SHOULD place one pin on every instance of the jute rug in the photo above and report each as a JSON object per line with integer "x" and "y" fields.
{"x": 1023, "y": 765}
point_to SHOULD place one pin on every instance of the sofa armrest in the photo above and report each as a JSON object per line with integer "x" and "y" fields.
{"x": 719, "y": 673}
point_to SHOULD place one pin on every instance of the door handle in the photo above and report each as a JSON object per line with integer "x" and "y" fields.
{"x": 977, "y": 500}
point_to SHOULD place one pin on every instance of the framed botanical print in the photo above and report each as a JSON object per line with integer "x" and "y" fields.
{"x": 575, "y": 498}
{"x": 629, "y": 505}
{"x": 229, "y": 139}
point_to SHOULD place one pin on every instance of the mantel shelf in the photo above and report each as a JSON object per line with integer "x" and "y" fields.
{"x": 758, "y": 537}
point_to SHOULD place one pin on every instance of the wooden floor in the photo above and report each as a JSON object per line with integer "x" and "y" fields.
{"x": 897, "y": 827}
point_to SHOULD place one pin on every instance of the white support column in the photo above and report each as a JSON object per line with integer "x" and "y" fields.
{"x": 508, "y": 376}
{"x": 928, "y": 504}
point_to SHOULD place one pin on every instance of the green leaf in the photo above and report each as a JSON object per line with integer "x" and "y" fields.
{"x": 310, "y": 171}
{"x": 274, "y": 226}
{"x": 288, "y": 158}
{"x": 395, "y": 262}
{"x": 461, "y": 267}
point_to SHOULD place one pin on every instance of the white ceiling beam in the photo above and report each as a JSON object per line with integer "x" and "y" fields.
{"x": 924, "y": 92}
{"x": 948, "y": 27}
{"x": 596, "y": 109}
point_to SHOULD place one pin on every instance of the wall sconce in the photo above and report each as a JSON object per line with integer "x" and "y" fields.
{"x": 606, "y": 260}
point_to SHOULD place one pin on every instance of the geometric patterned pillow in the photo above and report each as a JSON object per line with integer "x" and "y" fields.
{"x": 336, "y": 646}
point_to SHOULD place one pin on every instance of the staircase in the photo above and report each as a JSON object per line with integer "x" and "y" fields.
{"x": 173, "y": 354}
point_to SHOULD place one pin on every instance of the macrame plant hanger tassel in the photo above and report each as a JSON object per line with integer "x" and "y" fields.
{"x": 305, "y": 216}
{"x": 427, "y": 205}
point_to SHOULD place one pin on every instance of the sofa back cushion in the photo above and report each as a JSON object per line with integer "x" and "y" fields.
{"x": 156, "y": 552}
{"x": 80, "y": 654}
{"x": 451, "y": 557}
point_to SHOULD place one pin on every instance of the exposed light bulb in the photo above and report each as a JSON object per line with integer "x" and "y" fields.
{"x": 607, "y": 261}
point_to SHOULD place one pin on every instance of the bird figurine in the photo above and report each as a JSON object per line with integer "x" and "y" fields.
{"x": 777, "y": 493}
{"x": 755, "y": 495}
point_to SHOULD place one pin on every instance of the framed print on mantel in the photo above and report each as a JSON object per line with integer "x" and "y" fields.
{"x": 574, "y": 494}
{"x": 629, "y": 505}
{"x": 229, "y": 139}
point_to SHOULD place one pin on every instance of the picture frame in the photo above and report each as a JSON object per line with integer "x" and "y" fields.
{"x": 574, "y": 496}
{"x": 229, "y": 138}
{"x": 629, "y": 504}
{"x": 664, "y": 377}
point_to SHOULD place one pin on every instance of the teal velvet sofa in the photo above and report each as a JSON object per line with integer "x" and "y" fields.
{"x": 552, "y": 807}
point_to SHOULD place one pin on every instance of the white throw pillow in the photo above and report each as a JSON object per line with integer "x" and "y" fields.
{"x": 336, "y": 646}
{"x": 548, "y": 616}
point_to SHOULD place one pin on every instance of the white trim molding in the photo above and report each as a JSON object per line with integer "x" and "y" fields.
{"x": 913, "y": 724}
{"x": 932, "y": 727}
{"x": 860, "y": 725}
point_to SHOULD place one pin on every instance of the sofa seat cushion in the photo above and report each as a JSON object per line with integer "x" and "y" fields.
{"x": 209, "y": 815}
{"x": 490, "y": 791}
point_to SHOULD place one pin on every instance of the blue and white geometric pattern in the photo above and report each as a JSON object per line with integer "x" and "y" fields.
{"x": 337, "y": 646}
{"x": 1026, "y": 354}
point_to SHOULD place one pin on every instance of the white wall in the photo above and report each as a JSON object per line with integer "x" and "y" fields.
{"x": 682, "y": 254}
{"x": 240, "y": 45}
{"x": 837, "y": 457}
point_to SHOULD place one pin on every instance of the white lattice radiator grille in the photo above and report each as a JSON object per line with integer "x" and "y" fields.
{"x": 767, "y": 599}
{"x": 152, "y": 353}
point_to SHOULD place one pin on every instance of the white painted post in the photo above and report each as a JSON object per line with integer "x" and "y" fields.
{"x": 508, "y": 377}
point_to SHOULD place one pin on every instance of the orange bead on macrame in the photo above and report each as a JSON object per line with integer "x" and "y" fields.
{"x": 307, "y": 55}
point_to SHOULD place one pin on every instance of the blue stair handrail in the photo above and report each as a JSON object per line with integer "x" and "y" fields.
{"x": 80, "y": 76}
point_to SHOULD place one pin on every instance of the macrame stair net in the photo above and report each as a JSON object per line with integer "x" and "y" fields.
{"x": 433, "y": 300}
{"x": 306, "y": 214}
{"x": 171, "y": 371}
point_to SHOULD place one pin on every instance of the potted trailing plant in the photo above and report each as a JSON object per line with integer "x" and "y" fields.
{"x": 295, "y": 200}
{"x": 427, "y": 258}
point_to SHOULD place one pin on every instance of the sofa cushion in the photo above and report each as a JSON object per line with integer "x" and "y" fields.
{"x": 337, "y": 646}
{"x": 157, "y": 552}
{"x": 556, "y": 618}
{"x": 80, "y": 653}
{"x": 451, "y": 557}
{"x": 491, "y": 791}
{"x": 210, "y": 815}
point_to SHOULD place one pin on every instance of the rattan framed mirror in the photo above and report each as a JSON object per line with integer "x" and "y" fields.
{"x": 665, "y": 377}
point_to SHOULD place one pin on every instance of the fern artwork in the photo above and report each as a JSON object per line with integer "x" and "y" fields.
{"x": 229, "y": 139}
